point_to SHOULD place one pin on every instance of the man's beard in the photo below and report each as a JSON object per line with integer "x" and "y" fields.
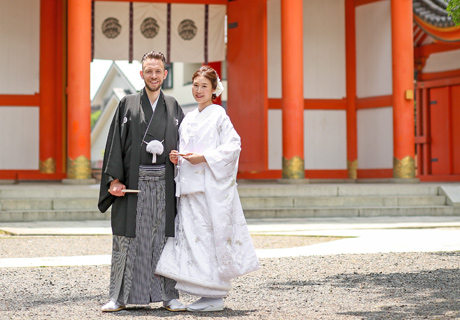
{"x": 152, "y": 89}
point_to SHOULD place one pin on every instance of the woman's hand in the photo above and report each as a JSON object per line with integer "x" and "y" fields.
{"x": 194, "y": 158}
{"x": 174, "y": 156}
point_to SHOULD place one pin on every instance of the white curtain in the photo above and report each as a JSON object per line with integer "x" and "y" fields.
{"x": 189, "y": 39}
{"x": 216, "y": 33}
{"x": 149, "y": 28}
{"x": 187, "y": 33}
{"x": 111, "y": 30}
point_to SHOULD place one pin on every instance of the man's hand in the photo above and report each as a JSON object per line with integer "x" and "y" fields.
{"x": 115, "y": 188}
{"x": 194, "y": 158}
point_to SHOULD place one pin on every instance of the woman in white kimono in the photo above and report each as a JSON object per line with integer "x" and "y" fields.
{"x": 212, "y": 244}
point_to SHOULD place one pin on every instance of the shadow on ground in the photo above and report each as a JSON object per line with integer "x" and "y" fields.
{"x": 162, "y": 313}
{"x": 430, "y": 294}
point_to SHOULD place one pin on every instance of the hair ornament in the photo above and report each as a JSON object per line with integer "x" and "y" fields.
{"x": 219, "y": 88}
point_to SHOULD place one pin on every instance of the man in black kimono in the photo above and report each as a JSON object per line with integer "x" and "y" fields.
{"x": 141, "y": 221}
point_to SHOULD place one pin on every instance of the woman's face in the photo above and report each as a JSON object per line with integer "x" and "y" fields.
{"x": 202, "y": 91}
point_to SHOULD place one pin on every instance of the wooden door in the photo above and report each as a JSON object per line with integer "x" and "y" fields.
{"x": 440, "y": 131}
{"x": 455, "y": 107}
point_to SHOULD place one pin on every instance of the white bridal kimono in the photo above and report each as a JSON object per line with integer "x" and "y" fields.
{"x": 212, "y": 244}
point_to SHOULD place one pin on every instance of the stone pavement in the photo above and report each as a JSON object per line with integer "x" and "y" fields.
{"x": 361, "y": 235}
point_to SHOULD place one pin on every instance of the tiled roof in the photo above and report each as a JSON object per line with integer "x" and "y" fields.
{"x": 433, "y": 12}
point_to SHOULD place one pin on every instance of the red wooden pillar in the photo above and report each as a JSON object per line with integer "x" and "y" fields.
{"x": 403, "y": 89}
{"x": 352, "y": 131}
{"x": 47, "y": 86}
{"x": 61, "y": 81}
{"x": 292, "y": 89}
{"x": 78, "y": 90}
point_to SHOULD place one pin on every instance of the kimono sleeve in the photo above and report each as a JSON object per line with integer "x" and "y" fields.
{"x": 223, "y": 160}
{"x": 112, "y": 166}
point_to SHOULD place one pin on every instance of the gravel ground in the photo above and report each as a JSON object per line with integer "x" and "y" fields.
{"x": 55, "y": 246}
{"x": 364, "y": 286}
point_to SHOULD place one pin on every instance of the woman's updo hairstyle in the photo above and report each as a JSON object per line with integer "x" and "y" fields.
{"x": 210, "y": 74}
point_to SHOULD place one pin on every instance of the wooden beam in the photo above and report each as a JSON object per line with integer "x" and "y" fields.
{"x": 363, "y": 2}
{"x": 426, "y": 50}
{"x": 20, "y": 100}
{"x": 176, "y": 1}
{"x": 441, "y": 80}
{"x": 313, "y": 104}
{"x": 374, "y": 102}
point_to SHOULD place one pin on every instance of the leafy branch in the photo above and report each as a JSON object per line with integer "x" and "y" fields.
{"x": 453, "y": 10}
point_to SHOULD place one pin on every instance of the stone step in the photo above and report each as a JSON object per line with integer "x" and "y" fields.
{"x": 321, "y": 190}
{"x": 52, "y": 215}
{"x": 352, "y": 201}
{"x": 26, "y": 204}
{"x": 348, "y": 212}
{"x": 260, "y": 213}
{"x": 247, "y": 202}
{"x": 44, "y": 191}
{"x": 42, "y": 201}
{"x": 48, "y": 191}
{"x": 49, "y": 204}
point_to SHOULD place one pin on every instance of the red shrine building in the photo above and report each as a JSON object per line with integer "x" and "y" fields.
{"x": 317, "y": 89}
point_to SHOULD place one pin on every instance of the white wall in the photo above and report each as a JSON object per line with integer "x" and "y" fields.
{"x": 20, "y": 48}
{"x": 374, "y": 78}
{"x": 373, "y": 50}
{"x": 324, "y": 78}
{"x": 20, "y": 74}
{"x": 274, "y": 48}
{"x": 325, "y": 139}
{"x": 19, "y": 138}
{"x": 375, "y": 138}
{"x": 324, "y": 49}
{"x": 325, "y": 142}
{"x": 275, "y": 139}
{"x": 443, "y": 61}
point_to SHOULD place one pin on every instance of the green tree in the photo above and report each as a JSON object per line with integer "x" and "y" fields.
{"x": 94, "y": 116}
{"x": 453, "y": 9}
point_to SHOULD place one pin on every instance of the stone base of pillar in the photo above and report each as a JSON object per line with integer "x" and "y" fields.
{"x": 404, "y": 168}
{"x": 293, "y": 181}
{"x": 48, "y": 166}
{"x": 79, "y": 168}
{"x": 352, "y": 167}
{"x": 293, "y": 168}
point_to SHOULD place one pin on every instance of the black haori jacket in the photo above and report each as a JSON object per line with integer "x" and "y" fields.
{"x": 122, "y": 158}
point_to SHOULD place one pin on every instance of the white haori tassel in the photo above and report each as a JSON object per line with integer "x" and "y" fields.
{"x": 155, "y": 147}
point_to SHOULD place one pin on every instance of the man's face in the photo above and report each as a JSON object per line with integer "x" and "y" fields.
{"x": 154, "y": 74}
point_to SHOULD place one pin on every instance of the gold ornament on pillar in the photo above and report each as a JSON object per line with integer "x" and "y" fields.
{"x": 352, "y": 167}
{"x": 79, "y": 168}
{"x": 47, "y": 166}
{"x": 293, "y": 168}
{"x": 404, "y": 168}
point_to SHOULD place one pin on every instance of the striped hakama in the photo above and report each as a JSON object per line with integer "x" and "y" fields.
{"x": 134, "y": 260}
